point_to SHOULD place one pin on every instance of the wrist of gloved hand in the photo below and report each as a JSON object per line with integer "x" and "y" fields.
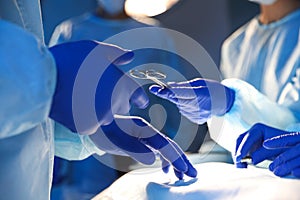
{"x": 251, "y": 106}
{"x": 68, "y": 58}
{"x": 230, "y": 99}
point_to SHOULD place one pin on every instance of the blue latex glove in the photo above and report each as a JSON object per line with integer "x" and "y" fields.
{"x": 197, "y": 99}
{"x": 287, "y": 162}
{"x": 90, "y": 88}
{"x": 250, "y": 144}
{"x": 133, "y": 136}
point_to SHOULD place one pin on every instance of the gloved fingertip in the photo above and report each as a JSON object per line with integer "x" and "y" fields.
{"x": 238, "y": 158}
{"x": 166, "y": 169}
{"x": 165, "y": 165}
{"x": 241, "y": 165}
{"x": 142, "y": 104}
{"x": 140, "y": 99}
{"x": 178, "y": 174}
{"x": 279, "y": 160}
{"x": 271, "y": 167}
{"x": 192, "y": 172}
{"x": 155, "y": 89}
{"x": 279, "y": 171}
{"x": 126, "y": 58}
{"x": 161, "y": 92}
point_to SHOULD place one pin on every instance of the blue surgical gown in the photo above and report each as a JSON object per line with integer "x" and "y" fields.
{"x": 262, "y": 56}
{"x": 264, "y": 62}
{"x": 89, "y": 26}
{"x": 28, "y": 78}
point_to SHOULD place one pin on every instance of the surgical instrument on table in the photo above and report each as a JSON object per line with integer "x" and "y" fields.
{"x": 247, "y": 160}
{"x": 150, "y": 74}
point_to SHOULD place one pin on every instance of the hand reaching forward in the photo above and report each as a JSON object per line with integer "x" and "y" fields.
{"x": 197, "y": 99}
{"x": 134, "y": 137}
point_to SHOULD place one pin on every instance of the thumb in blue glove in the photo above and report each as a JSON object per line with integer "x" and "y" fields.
{"x": 90, "y": 88}
{"x": 197, "y": 99}
{"x": 134, "y": 137}
{"x": 288, "y": 162}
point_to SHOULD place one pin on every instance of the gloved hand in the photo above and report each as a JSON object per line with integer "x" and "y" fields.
{"x": 250, "y": 144}
{"x": 287, "y": 162}
{"x": 90, "y": 88}
{"x": 197, "y": 99}
{"x": 133, "y": 136}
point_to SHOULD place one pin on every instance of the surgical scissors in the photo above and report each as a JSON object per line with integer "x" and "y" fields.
{"x": 150, "y": 74}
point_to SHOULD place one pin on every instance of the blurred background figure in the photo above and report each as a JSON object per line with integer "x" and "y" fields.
{"x": 110, "y": 18}
{"x": 259, "y": 51}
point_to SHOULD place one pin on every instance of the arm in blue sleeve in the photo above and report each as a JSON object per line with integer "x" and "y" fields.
{"x": 27, "y": 80}
{"x": 250, "y": 107}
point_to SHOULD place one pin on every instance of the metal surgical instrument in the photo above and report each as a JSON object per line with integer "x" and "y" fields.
{"x": 247, "y": 160}
{"x": 150, "y": 74}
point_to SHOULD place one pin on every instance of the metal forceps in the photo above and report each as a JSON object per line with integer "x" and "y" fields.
{"x": 150, "y": 74}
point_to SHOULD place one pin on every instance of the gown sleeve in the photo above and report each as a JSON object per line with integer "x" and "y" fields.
{"x": 27, "y": 80}
{"x": 250, "y": 107}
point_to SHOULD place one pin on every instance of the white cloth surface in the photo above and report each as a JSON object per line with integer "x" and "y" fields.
{"x": 214, "y": 181}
